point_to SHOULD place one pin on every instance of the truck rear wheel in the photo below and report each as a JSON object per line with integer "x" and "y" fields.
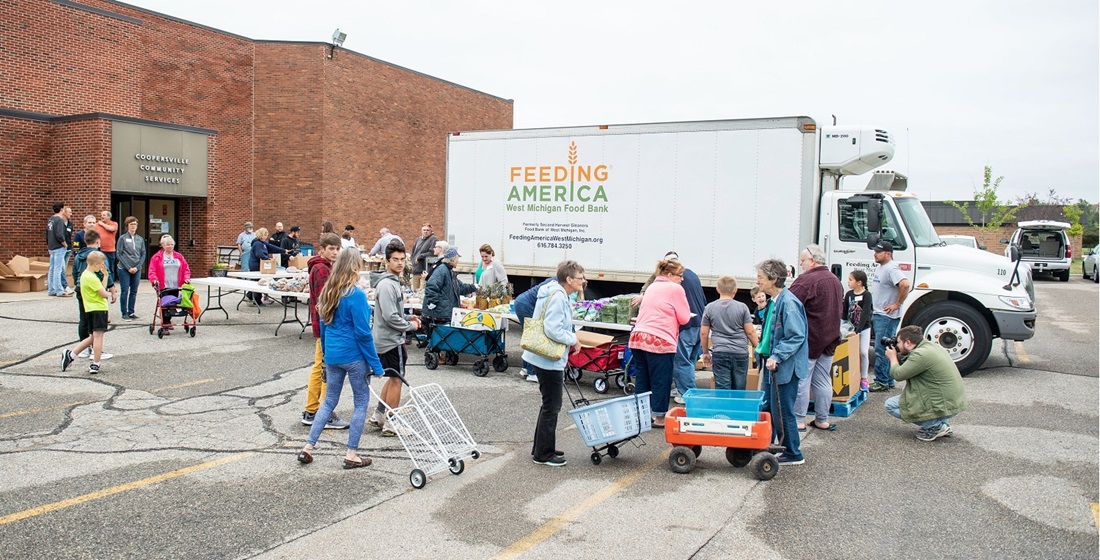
{"x": 960, "y": 330}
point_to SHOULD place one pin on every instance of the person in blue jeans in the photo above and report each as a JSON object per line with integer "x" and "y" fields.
{"x": 57, "y": 241}
{"x": 784, "y": 351}
{"x": 728, "y": 324}
{"x": 130, "y": 253}
{"x": 689, "y": 345}
{"x": 888, "y": 291}
{"x": 349, "y": 353}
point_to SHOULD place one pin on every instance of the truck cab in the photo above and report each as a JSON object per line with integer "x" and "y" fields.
{"x": 960, "y": 297}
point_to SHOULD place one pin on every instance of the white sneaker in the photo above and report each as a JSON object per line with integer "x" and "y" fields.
{"x": 68, "y": 291}
{"x": 105, "y": 356}
{"x": 678, "y": 399}
{"x": 85, "y": 353}
{"x": 533, "y": 378}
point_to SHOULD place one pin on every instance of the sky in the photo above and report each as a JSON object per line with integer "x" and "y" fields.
{"x": 959, "y": 84}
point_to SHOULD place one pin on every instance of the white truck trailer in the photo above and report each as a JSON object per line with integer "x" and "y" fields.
{"x": 725, "y": 195}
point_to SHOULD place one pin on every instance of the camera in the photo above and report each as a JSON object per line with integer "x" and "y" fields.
{"x": 889, "y": 342}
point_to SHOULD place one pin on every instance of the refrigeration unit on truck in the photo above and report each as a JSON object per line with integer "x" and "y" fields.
{"x": 725, "y": 195}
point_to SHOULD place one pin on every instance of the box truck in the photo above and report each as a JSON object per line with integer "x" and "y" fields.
{"x": 725, "y": 195}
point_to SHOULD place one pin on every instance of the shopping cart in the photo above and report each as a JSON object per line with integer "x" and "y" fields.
{"x": 605, "y": 425}
{"x": 605, "y": 361}
{"x": 432, "y": 433}
{"x": 724, "y": 418}
{"x": 445, "y": 343}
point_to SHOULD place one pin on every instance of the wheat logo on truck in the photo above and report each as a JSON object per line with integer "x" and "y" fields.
{"x": 540, "y": 186}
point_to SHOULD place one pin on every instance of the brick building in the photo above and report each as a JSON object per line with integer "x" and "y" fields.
{"x": 948, "y": 220}
{"x": 195, "y": 130}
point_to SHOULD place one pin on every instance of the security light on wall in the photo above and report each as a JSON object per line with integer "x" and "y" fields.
{"x": 337, "y": 41}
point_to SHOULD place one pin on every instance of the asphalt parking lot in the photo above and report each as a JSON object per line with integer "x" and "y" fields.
{"x": 184, "y": 447}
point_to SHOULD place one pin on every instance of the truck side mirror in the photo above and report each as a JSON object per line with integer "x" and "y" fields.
{"x": 982, "y": 247}
{"x": 874, "y": 216}
{"x": 1004, "y": 241}
{"x": 1013, "y": 253}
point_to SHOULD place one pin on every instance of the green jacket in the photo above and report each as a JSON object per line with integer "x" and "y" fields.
{"x": 934, "y": 388}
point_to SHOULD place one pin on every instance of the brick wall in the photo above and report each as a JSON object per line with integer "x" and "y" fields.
{"x": 300, "y": 137}
{"x": 992, "y": 240}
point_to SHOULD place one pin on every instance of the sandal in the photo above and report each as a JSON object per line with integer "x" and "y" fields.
{"x": 829, "y": 428}
{"x": 305, "y": 457}
{"x": 362, "y": 462}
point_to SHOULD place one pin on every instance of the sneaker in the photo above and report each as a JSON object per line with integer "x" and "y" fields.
{"x": 134, "y": 317}
{"x": 66, "y": 359}
{"x": 934, "y": 433}
{"x": 556, "y": 461}
{"x": 307, "y": 418}
{"x": 678, "y": 399}
{"x": 334, "y": 423}
{"x": 85, "y": 353}
{"x": 93, "y": 368}
{"x": 785, "y": 459}
{"x": 68, "y": 292}
{"x": 532, "y": 378}
{"x": 863, "y": 385}
{"x": 105, "y": 356}
{"x": 877, "y": 387}
{"x": 375, "y": 420}
{"x": 387, "y": 431}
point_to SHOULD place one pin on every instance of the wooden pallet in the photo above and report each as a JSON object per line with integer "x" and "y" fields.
{"x": 845, "y": 409}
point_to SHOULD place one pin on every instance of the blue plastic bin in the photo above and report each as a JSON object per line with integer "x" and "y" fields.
{"x": 724, "y": 403}
{"x": 306, "y": 250}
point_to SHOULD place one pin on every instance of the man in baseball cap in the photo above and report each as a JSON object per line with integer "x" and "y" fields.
{"x": 889, "y": 288}
{"x": 441, "y": 293}
{"x": 244, "y": 245}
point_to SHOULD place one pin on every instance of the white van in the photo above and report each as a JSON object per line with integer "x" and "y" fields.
{"x": 1045, "y": 246}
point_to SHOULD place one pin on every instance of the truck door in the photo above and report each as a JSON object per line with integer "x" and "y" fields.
{"x": 847, "y": 249}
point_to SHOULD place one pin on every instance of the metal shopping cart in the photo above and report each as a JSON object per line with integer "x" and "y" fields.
{"x": 432, "y": 433}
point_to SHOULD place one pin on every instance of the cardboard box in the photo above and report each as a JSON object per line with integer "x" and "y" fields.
{"x": 845, "y": 369}
{"x": 19, "y": 267}
{"x": 477, "y": 319}
{"x": 269, "y": 266}
{"x": 300, "y": 262}
{"x": 38, "y": 282}
{"x": 752, "y": 383}
{"x": 593, "y": 340}
{"x": 15, "y": 285}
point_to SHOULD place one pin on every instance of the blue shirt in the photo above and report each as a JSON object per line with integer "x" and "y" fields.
{"x": 697, "y": 302}
{"x": 348, "y": 339}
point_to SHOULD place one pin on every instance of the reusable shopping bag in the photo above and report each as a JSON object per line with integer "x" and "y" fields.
{"x": 535, "y": 340}
{"x": 186, "y": 291}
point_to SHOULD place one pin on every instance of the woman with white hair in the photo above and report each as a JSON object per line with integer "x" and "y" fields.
{"x": 168, "y": 269}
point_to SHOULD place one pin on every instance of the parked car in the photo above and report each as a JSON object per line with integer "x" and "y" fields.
{"x": 1045, "y": 246}
{"x": 964, "y": 240}
{"x": 1089, "y": 265}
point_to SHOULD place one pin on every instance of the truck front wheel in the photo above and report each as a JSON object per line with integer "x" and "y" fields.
{"x": 960, "y": 330}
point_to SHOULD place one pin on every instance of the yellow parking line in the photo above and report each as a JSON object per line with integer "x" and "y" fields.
{"x": 117, "y": 489}
{"x": 45, "y": 409}
{"x": 553, "y": 526}
{"x": 188, "y": 384}
{"x": 1096, "y": 515}
{"x": 1020, "y": 352}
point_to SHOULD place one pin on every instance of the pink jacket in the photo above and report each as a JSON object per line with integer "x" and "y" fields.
{"x": 664, "y": 308}
{"x": 156, "y": 269}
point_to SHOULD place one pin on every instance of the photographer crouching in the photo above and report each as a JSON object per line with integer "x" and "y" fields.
{"x": 934, "y": 390}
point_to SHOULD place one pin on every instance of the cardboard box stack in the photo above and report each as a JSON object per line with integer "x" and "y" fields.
{"x": 21, "y": 274}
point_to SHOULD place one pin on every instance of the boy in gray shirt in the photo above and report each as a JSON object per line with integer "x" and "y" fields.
{"x": 728, "y": 324}
{"x": 390, "y": 325}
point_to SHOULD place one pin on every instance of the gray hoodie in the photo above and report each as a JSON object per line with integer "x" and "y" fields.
{"x": 390, "y": 321}
{"x": 130, "y": 251}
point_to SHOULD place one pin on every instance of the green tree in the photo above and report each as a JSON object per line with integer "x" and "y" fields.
{"x": 1073, "y": 214}
{"x": 993, "y": 213}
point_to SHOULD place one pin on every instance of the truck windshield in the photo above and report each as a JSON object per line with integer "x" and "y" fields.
{"x": 916, "y": 219}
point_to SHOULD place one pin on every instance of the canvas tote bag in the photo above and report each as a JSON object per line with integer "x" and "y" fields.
{"x": 535, "y": 340}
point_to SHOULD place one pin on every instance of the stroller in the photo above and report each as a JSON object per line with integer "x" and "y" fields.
{"x": 173, "y": 302}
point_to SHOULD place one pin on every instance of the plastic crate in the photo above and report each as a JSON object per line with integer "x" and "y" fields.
{"x": 613, "y": 420}
{"x": 305, "y": 249}
{"x": 723, "y": 403}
